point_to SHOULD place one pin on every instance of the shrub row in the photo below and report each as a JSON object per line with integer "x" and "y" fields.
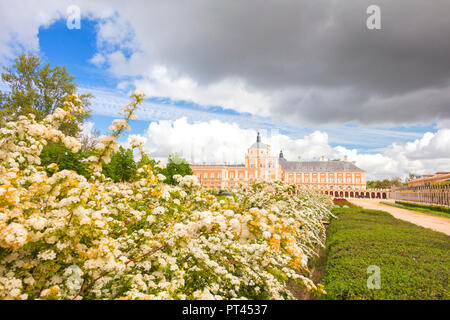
{"x": 424, "y": 206}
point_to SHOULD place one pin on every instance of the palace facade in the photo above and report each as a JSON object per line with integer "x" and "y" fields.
{"x": 334, "y": 177}
{"x": 430, "y": 179}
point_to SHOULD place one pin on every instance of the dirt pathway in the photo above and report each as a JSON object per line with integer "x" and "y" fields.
{"x": 436, "y": 223}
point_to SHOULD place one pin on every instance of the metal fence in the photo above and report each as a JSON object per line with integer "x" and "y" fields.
{"x": 439, "y": 195}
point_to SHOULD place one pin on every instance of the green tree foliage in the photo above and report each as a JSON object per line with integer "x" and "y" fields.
{"x": 413, "y": 176}
{"x": 56, "y": 153}
{"x": 38, "y": 89}
{"x": 385, "y": 183}
{"x": 146, "y": 160}
{"x": 122, "y": 166}
{"x": 176, "y": 165}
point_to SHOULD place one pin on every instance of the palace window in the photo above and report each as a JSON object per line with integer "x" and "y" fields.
{"x": 205, "y": 176}
{"x": 349, "y": 180}
{"x": 340, "y": 180}
{"x": 212, "y": 175}
{"x": 323, "y": 180}
{"x": 314, "y": 179}
{"x": 358, "y": 180}
{"x": 219, "y": 176}
{"x": 331, "y": 180}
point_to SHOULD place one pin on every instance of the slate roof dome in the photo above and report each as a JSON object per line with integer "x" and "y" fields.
{"x": 258, "y": 144}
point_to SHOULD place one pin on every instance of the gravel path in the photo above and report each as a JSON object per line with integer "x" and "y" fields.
{"x": 440, "y": 224}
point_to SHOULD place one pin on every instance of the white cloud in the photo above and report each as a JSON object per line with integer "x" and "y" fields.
{"x": 87, "y": 128}
{"x": 212, "y": 142}
{"x": 214, "y": 58}
{"x": 158, "y": 81}
{"x": 20, "y": 26}
{"x": 115, "y": 32}
{"x": 430, "y": 147}
{"x": 20, "y": 21}
{"x": 98, "y": 59}
{"x": 217, "y": 54}
{"x": 219, "y": 142}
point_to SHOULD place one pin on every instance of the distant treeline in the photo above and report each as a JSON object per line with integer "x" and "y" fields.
{"x": 389, "y": 183}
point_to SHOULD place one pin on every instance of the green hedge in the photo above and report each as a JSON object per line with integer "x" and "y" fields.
{"x": 424, "y": 206}
{"x": 414, "y": 262}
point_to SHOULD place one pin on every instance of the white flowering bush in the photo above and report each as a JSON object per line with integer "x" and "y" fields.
{"x": 65, "y": 237}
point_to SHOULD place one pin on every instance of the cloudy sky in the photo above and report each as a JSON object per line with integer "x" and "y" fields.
{"x": 309, "y": 74}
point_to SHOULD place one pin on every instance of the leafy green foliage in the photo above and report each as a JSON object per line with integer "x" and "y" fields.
{"x": 436, "y": 210}
{"x": 389, "y": 183}
{"x": 122, "y": 166}
{"x": 176, "y": 165}
{"x": 441, "y": 183}
{"x": 146, "y": 160}
{"x": 38, "y": 89}
{"x": 385, "y": 183}
{"x": 56, "y": 153}
{"x": 414, "y": 262}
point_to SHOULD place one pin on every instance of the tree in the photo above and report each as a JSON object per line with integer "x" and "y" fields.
{"x": 38, "y": 90}
{"x": 176, "y": 165}
{"x": 122, "y": 166}
{"x": 413, "y": 176}
{"x": 146, "y": 160}
{"x": 385, "y": 183}
{"x": 56, "y": 153}
{"x": 89, "y": 140}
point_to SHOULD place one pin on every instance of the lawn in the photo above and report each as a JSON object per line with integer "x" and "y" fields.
{"x": 225, "y": 198}
{"x": 414, "y": 262}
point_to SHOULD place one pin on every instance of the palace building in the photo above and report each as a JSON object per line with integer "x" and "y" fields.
{"x": 430, "y": 179}
{"x": 334, "y": 177}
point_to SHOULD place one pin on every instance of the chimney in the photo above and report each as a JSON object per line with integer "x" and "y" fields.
{"x": 354, "y": 162}
{"x": 345, "y": 158}
{"x": 323, "y": 158}
{"x": 299, "y": 158}
{"x": 314, "y": 158}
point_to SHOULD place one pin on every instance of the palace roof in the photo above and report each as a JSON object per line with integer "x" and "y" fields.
{"x": 258, "y": 145}
{"x": 327, "y": 166}
{"x": 214, "y": 166}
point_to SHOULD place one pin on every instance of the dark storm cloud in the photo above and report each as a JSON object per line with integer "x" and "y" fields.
{"x": 315, "y": 59}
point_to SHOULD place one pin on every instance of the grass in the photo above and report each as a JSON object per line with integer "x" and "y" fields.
{"x": 424, "y": 208}
{"x": 414, "y": 261}
{"x": 342, "y": 202}
{"x": 226, "y": 197}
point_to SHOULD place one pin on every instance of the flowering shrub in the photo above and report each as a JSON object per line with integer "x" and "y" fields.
{"x": 63, "y": 236}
